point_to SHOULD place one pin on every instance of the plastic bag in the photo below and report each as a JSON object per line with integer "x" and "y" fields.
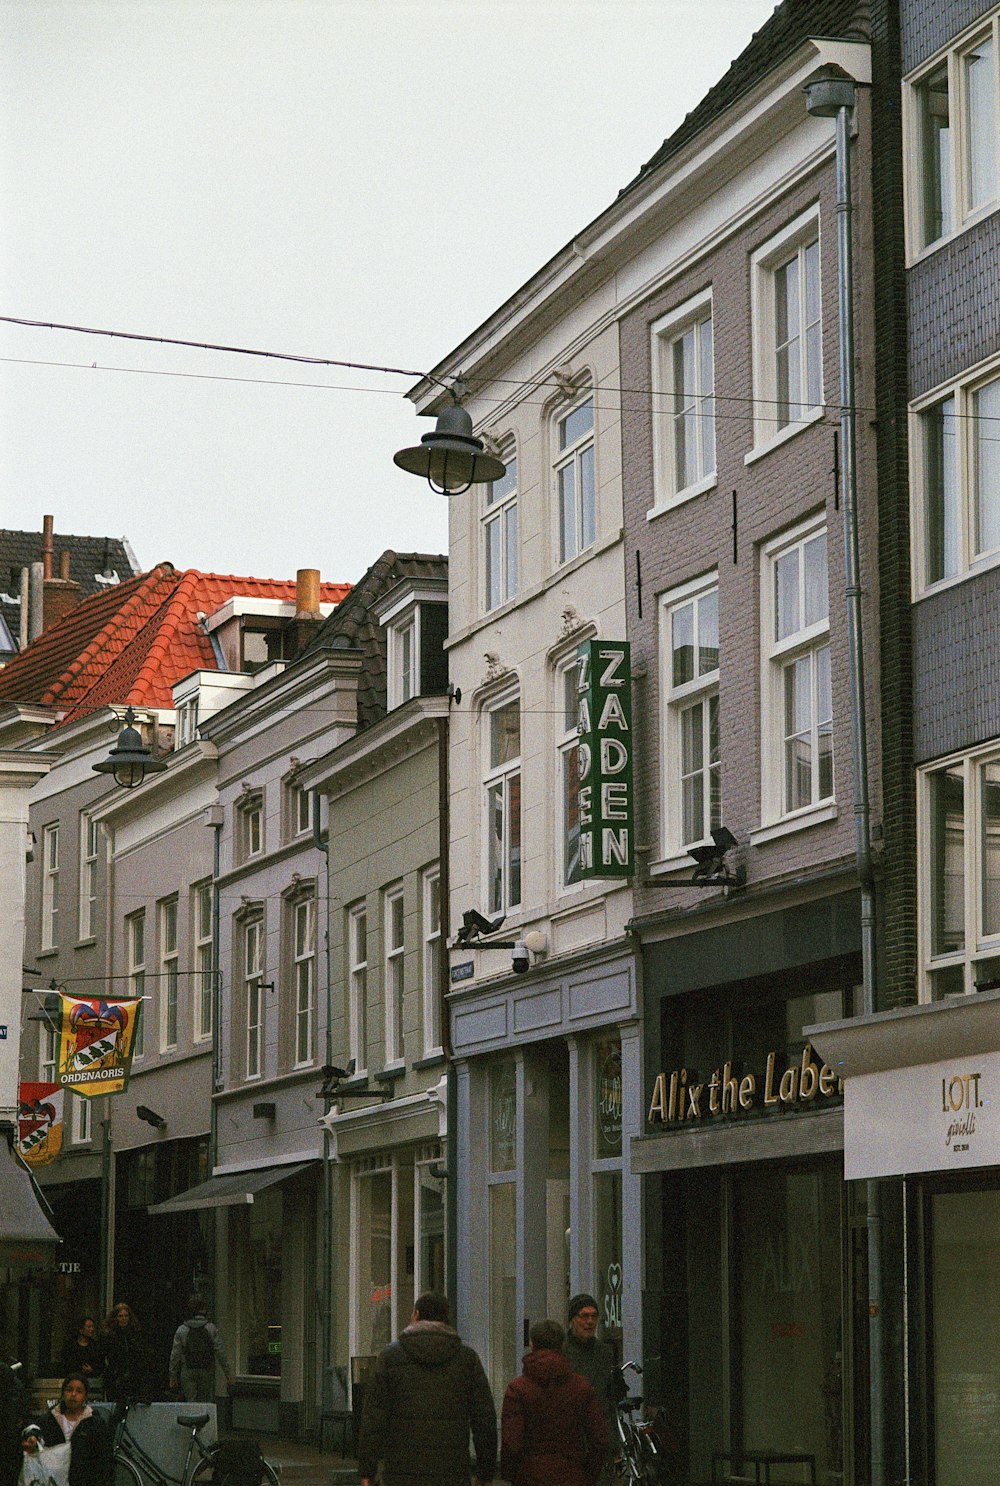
{"x": 46, "y": 1467}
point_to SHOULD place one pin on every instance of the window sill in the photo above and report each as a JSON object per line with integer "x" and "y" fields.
{"x": 390, "y": 1073}
{"x": 48, "y": 954}
{"x": 801, "y": 821}
{"x": 783, "y": 435}
{"x": 972, "y": 220}
{"x": 85, "y": 943}
{"x": 681, "y": 497}
{"x": 434, "y": 1059}
{"x": 666, "y": 865}
{"x": 940, "y": 585}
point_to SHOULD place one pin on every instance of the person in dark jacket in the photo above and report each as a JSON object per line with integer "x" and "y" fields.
{"x": 84, "y": 1352}
{"x": 595, "y": 1360}
{"x": 126, "y": 1373}
{"x": 90, "y": 1459}
{"x": 13, "y": 1417}
{"x": 553, "y": 1431}
{"x": 426, "y": 1393}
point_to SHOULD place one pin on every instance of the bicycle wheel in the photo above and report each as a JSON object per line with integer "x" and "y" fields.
{"x": 204, "y": 1473}
{"x": 125, "y": 1472}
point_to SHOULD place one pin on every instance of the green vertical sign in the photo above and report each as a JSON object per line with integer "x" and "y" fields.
{"x": 607, "y": 831}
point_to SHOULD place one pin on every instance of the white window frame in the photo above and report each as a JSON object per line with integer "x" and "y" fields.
{"x": 48, "y": 1048}
{"x": 667, "y": 333}
{"x": 567, "y": 743}
{"x": 957, "y": 173}
{"x": 357, "y": 981}
{"x": 186, "y": 729}
{"x": 791, "y": 241}
{"x": 403, "y": 657}
{"x": 675, "y": 701}
{"x": 963, "y": 392}
{"x": 81, "y": 1119}
{"x": 431, "y": 957}
{"x": 204, "y": 955}
{"x": 776, "y": 657}
{"x": 500, "y": 778}
{"x": 167, "y": 937}
{"x": 978, "y": 945}
{"x": 250, "y": 825}
{"x": 135, "y": 949}
{"x": 574, "y": 456}
{"x": 500, "y": 537}
{"x": 88, "y": 876}
{"x": 393, "y": 971}
{"x": 253, "y": 998}
{"x": 302, "y": 917}
{"x": 301, "y": 810}
{"x": 50, "y": 886}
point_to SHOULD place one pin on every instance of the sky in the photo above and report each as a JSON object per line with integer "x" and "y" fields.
{"x": 360, "y": 180}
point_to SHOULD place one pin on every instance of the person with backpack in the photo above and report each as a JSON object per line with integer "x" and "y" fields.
{"x": 196, "y": 1347}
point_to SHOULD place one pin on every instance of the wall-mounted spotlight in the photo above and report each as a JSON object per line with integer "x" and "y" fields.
{"x": 151, "y": 1117}
{"x": 711, "y": 869}
{"x": 475, "y": 923}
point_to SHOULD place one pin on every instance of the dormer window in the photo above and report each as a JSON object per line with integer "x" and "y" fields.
{"x": 187, "y": 723}
{"x": 415, "y": 617}
{"x": 404, "y": 668}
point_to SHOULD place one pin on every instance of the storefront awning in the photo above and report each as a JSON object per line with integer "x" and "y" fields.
{"x": 233, "y": 1190}
{"x": 921, "y": 1086}
{"x": 961, "y": 1026}
{"x": 26, "y": 1235}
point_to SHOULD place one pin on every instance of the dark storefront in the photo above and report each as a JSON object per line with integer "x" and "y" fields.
{"x": 752, "y": 1266}
{"x": 160, "y": 1261}
{"x": 922, "y": 1117}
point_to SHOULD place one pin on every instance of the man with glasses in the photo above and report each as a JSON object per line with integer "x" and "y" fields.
{"x": 595, "y": 1360}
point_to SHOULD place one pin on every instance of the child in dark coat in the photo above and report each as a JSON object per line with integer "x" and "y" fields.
{"x": 553, "y": 1431}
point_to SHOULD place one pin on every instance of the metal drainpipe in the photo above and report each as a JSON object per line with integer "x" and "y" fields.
{"x": 834, "y": 97}
{"x": 213, "y": 1128}
{"x": 326, "y": 1289}
{"x": 451, "y": 1138}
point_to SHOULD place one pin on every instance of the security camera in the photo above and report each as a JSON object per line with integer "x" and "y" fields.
{"x": 520, "y": 958}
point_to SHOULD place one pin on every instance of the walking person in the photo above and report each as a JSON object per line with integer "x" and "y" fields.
{"x": 426, "y": 1394}
{"x": 126, "y": 1375}
{"x": 595, "y": 1360}
{"x": 84, "y": 1352}
{"x": 553, "y": 1431}
{"x": 197, "y": 1346}
{"x": 73, "y": 1420}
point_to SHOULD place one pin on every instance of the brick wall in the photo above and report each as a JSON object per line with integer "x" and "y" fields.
{"x": 791, "y": 482}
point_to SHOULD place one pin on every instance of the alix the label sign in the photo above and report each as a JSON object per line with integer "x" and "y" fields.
{"x": 678, "y": 1098}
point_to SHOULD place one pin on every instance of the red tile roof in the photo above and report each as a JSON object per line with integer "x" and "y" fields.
{"x": 132, "y": 643}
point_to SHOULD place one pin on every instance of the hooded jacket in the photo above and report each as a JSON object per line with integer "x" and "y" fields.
{"x": 553, "y": 1431}
{"x": 426, "y": 1392}
{"x": 90, "y": 1462}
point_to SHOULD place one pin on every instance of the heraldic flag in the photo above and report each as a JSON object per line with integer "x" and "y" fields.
{"x": 39, "y": 1122}
{"x": 95, "y": 1044}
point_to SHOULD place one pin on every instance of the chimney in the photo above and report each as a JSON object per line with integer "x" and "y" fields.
{"x": 61, "y": 594}
{"x": 47, "y": 545}
{"x": 307, "y": 594}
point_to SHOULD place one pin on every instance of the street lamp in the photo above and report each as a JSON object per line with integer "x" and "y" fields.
{"x": 130, "y": 760}
{"x": 451, "y": 458}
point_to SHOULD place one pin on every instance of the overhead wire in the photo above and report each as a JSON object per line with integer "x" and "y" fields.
{"x": 533, "y": 383}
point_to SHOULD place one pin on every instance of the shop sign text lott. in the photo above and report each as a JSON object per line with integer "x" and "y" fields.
{"x": 607, "y": 833}
{"x": 930, "y": 1117}
{"x": 677, "y": 1098}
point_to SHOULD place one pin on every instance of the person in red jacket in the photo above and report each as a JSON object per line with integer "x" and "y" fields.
{"x": 553, "y": 1431}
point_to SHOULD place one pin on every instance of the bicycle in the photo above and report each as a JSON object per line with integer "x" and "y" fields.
{"x": 640, "y": 1462}
{"x": 134, "y": 1466}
